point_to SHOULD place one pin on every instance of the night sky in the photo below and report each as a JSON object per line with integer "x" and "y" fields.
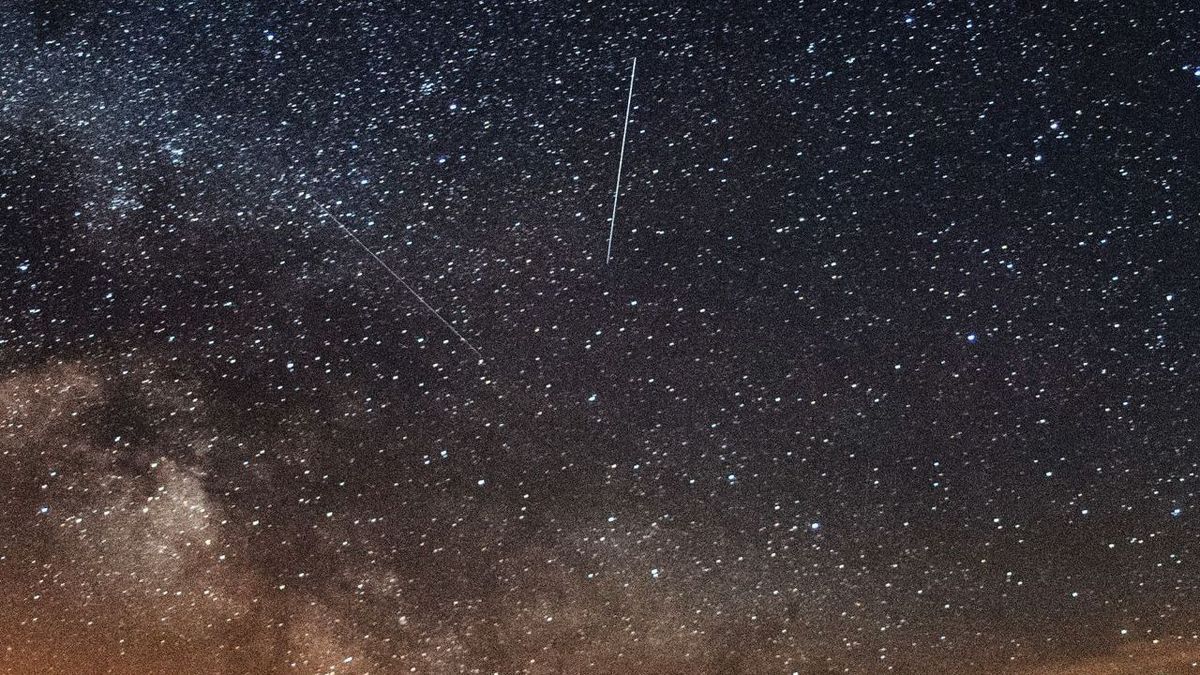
{"x": 894, "y": 366}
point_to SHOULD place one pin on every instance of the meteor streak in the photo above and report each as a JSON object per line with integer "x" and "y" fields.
{"x": 621, "y": 162}
{"x": 397, "y": 277}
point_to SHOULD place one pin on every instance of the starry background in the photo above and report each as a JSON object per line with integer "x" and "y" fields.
{"x": 894, "y": 366}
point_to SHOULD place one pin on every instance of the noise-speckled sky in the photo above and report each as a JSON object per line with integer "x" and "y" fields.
{"x": 893, "y": 367}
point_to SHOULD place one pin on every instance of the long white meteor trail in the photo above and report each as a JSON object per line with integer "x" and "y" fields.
{"x": 612, "y": 224}
{"x": 404, "y": 283}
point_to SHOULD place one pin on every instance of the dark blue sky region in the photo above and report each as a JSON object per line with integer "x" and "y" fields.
{"x": 893, "y": 368}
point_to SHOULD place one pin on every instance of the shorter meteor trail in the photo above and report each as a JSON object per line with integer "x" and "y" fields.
{"x": 612, "y": 224}
{"x": 397, "y": 277}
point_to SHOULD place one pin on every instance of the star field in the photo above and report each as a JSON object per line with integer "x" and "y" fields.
{"x": 893, "y": 369}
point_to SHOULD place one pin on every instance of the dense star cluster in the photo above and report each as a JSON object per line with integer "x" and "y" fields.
{"x": 894, "y": 366}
